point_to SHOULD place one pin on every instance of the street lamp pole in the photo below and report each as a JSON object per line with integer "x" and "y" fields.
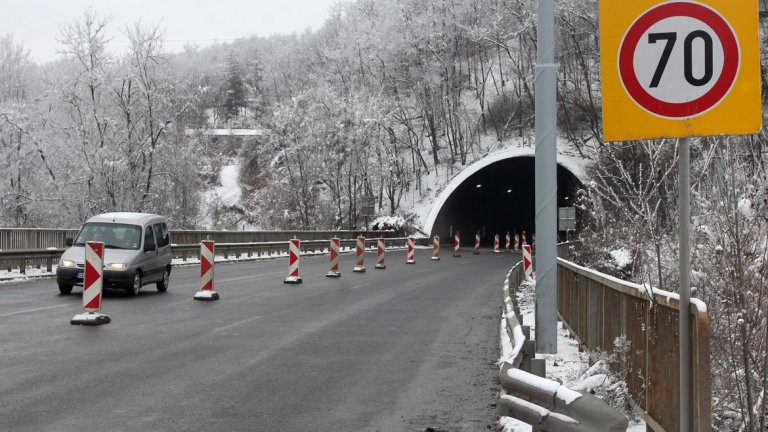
{"x": 546, "y": 181}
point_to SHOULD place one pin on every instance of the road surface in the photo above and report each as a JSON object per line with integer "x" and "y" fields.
{"x": 408, "y": 348}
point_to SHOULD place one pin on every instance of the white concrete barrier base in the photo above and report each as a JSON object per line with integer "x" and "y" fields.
{"x": 207, "y": 295}
{"x": 90, "y": 318}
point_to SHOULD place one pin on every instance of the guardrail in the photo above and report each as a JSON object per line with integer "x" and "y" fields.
{"x": 545, "y": 404}
{"x": 598, "y": 308}
{"x": 21, "y": 258}
{"x": 41, "y": 238}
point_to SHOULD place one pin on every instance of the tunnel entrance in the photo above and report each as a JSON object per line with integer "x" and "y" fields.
{"x": 498, "y": 198}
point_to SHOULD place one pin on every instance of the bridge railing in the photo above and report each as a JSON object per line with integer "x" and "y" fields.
{"x": 527, "y": 396}
{"x": 21, "y": 258}
{"x": 598, "y": 308}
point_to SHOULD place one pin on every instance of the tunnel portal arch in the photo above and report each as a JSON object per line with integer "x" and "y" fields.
{"x": 496, "y": 194}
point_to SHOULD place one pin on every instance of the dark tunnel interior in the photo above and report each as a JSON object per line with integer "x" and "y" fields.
{"x": 497, "y": 199}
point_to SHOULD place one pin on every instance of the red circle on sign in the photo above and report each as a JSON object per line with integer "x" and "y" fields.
{"x": 697, "y": 106}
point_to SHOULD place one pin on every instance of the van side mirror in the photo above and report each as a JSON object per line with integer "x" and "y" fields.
{"x": 68, "y": 242}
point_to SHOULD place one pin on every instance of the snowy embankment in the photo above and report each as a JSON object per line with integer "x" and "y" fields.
{"x": 568, "y": 367}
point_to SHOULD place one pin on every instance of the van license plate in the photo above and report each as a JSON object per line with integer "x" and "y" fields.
{"x": 79, "y": 276}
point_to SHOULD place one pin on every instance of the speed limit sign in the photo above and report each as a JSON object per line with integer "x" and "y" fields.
{"x": 679, "y": 69}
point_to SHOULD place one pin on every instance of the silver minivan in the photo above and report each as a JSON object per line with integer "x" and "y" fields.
{"x": 137, "y": 252}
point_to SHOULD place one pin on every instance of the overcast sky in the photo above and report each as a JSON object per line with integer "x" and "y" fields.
{"x": 37, "y": 22}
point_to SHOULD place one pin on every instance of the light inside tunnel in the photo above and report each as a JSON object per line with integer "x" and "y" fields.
{"x": 498, "y": 198}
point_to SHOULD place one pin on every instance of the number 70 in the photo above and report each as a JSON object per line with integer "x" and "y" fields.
{"x": 671, "y": 39}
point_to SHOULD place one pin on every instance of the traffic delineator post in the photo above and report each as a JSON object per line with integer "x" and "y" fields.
{"x": 294, "y": 255}
{"x": 436, "y": 248}
{"x": 523, "y": 239}
{"x": 93, "y": 283}
{"x": 207, "y": 256}
{"x": 496, "y": 244}
{"x": 411, "y": 257}
{"x": 457, "y": 245}
{"x": 334, "y": 253}
{"x": 508, "y": 242}
{"x": 517, "y": 242}
{"x": 360, "y": 255}
{"x": 476, "y": 251}
{"x": 380, "y": 247}
{"x": 527, "y": 262}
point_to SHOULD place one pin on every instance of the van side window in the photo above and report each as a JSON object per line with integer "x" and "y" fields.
{"x": 149, "y": 240}
{"x": 161, "y": 235}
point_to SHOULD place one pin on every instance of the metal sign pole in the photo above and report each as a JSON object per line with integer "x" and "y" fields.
{"x": 686, "y": 414}
{"x": 546, "y": 181}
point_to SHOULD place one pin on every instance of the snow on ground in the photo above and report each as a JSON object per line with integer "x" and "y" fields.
{"x": 568, "y": 366}
{"x": 229, "y": 192}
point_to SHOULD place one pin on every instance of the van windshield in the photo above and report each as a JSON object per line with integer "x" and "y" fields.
{"x": 114, "y": 236}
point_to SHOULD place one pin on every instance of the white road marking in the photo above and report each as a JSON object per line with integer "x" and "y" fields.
{"x": 21, "y": 312}
{"x": 237, "y": 323}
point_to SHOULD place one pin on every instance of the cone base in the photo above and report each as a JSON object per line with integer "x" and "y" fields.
{"x": 380, "y": 267}
{"x": 410, "y": 261}
{"x": 293, "y": 280}
{"x": 496, "y": 251}
{"x": 207, "y": 295}
{"x": 457, "y": 255}
{"x": 333, "y": 274}
{"x": 90, "y": 318}
{"x": 359, "y": 269}
{"x": 435, "y": 258}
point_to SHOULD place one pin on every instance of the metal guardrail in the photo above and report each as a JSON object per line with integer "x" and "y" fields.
{"x": 41, "y": 238}
{"x": 21, "y": 258}
{"x": 598, "y": 308}
{"x": 545, "y": 404}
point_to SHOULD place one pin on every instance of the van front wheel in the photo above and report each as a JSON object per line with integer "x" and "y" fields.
{"x": 65, "y": 289}
{"x": 133, "y": 290}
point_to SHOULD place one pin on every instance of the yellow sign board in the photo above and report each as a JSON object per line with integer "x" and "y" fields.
{"x": 679, "y": 68}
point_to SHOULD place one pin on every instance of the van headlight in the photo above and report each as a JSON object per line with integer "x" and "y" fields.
{"x": 66, "y": 263}
{"x": 115, "y": 266}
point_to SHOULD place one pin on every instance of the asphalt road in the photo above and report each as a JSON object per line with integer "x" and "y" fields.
{"x": 403, "y": 349}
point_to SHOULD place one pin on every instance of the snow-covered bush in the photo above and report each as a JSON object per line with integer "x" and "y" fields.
{"x": 402, "y": 225}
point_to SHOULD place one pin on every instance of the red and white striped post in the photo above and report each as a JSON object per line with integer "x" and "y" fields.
{"x": 360, "y": 253}
{"x": 457, "y": 245}
{"x": 525, "y": 242}
{"x": 411, "y": 258}
{"x": 507, "y": 242}
{"x": 517, "y": 242}
{"x": 93, "y": 282}
{"x": 294, "y": 254}
{"x": 436, "y": 248}
{"x": 207, "y": 256}
{"x": 477, "y": 244}
{"x": 527, "y": 263}
{"x": 496, "y": 244}
{"x": 334, "y": 252}
{"x": 380, "y": 247}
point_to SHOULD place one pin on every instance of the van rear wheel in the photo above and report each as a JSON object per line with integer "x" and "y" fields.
{"x": 162, "y": 284}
